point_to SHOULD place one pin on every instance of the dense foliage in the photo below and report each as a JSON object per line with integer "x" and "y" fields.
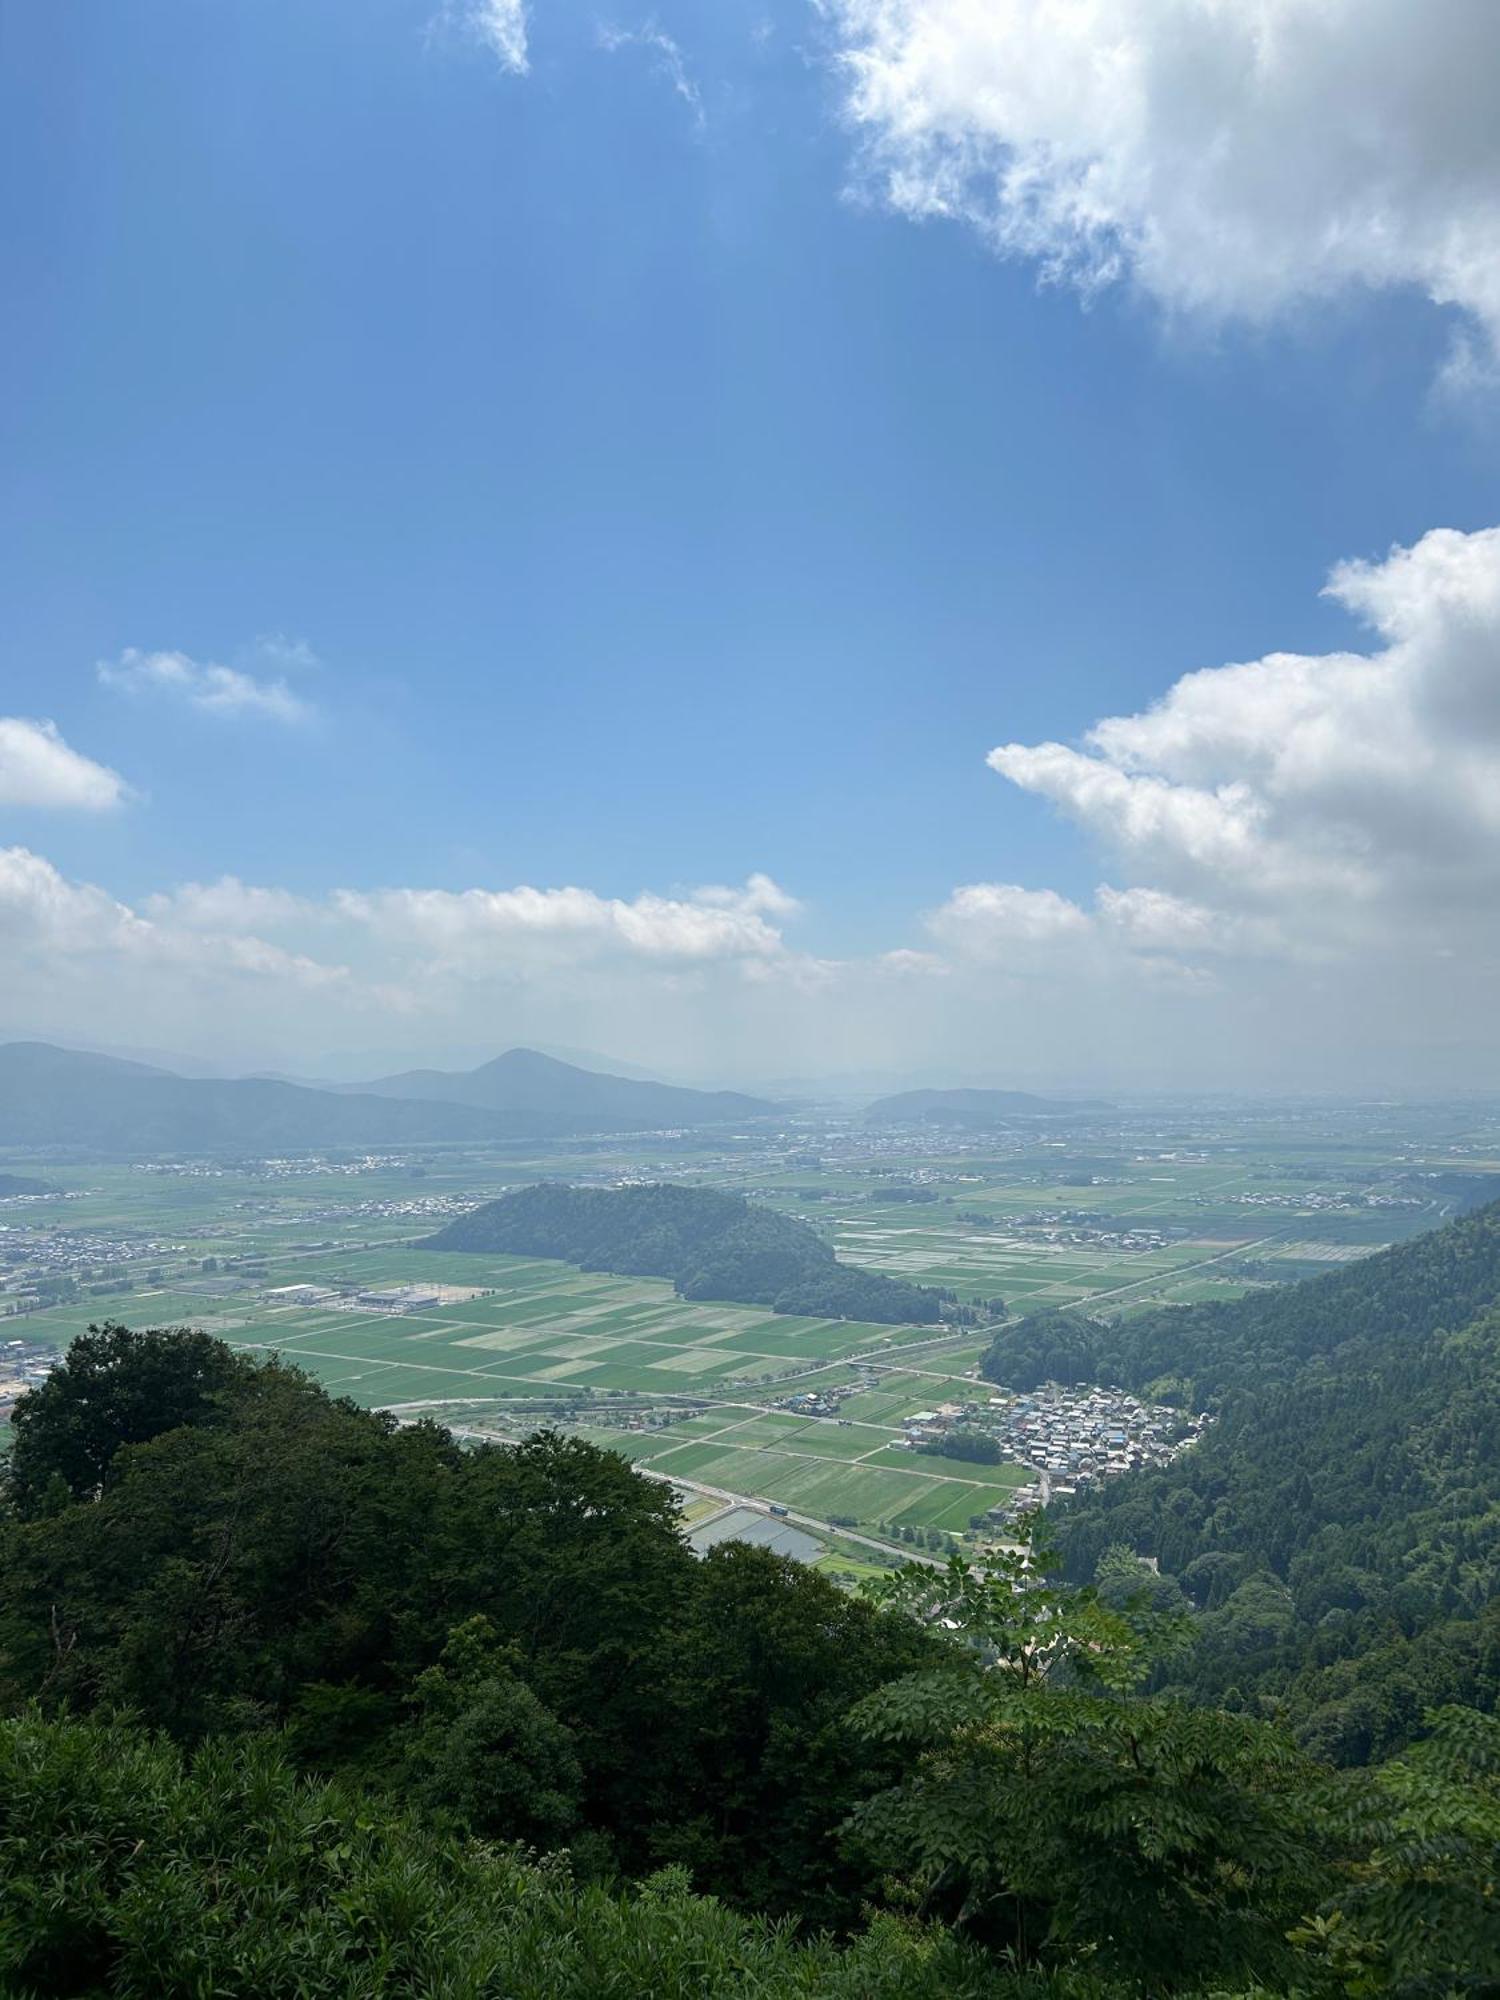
{"x": 308, "y": 1704}
{"x": 977, "y": 1447}
{"x": 711, "y": 1245}
{"x": 1338, "y": 1528}
{"x": 1399, "y": 1299}
{"x": 283, "y": 1559}
{"x": 132, "y": 1870}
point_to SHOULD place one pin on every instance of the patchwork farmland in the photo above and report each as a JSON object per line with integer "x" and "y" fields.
{"x": 1136, "y": 1214}
{"x": 545, "y": 1343}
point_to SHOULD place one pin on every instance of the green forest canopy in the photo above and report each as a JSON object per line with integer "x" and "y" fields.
{"x": 1338, "y": 1527}
{"x": 287, "y": 1682}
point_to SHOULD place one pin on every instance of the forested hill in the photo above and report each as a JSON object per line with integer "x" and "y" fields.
{"x": 711, "y": 1245}
{"x": 1267, "y": 1338}
{"x": 14, "y": 1184}
{"x": 1339, "y": 1527}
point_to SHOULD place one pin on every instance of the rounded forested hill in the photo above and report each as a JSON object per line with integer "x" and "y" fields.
{"x": 710, "y": 1244}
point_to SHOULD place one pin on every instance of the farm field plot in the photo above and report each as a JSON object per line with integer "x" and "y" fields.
{"x": 539, "y": 1326}
{"x": 838, "y": 1488}
{"x": 977, "y": 1261}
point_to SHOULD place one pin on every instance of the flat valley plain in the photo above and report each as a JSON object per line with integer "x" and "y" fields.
{"x": 1129, "y": 1210}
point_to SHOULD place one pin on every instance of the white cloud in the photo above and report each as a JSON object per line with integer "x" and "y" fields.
{"x": 1234, "y": 158}
{"x": 217, "y": 690}
{"x": 1019, "y": 986}
{"x": 229, "y": 905}
{"x": 1326, "y": 800}
{"x": 48, "y": 922}
{"x": 485, "y": 964}
{"x": 1152, "y": 920}
{"x": 667, "y": 57}
{"x": 987, "y": 919}
{"x": 502, "y": 27}
{"x": 37, "y": 768}
{"x": 759, "y": 896}
{"x": 463, "y": 926}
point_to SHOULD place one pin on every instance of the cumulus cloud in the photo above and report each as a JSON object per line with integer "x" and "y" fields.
{"x": 229, "y": 905}
{"x": 989, "y": 918}
{"x": 290, "y": 974}
{"x": 49, "y": 922}
{"x": 1232, "y": 157}
{"x": 759, "y": 895}
{"x": 1020, "y": 986}
{"x": 37, "y": 768}
{"x": 1314, "y": 800}
{"x": 469, "y": 924}
{"x": 214, "y": 689}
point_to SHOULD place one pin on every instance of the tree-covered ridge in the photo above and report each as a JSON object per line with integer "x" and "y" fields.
{"x": 288, "y": 1685}
{"x": 1338, "y": 1528}
{"x": 711, "y": 1245}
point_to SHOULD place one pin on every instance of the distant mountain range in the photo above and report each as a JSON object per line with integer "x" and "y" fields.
{"x": 972, "y": 1109}
{"x": 63, "y": 1097}
{"x": 529, "y": 1085}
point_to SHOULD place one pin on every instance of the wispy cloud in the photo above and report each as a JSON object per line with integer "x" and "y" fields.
{"x": 501, "y": 25}
{"x": 205, "y": 685}
{"x": 667, "y": 61}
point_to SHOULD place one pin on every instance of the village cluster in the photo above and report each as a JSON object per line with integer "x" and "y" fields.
{"x": 1078, "y": 1227}
{"x": 34, "y": 1261}
{"x": 421, "y": 1208}
{"x": 1071, "y": 1437}
{"x": 1337, "y": 1201}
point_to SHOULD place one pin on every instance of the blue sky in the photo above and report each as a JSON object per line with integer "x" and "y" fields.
{"x": 634, "y": 487}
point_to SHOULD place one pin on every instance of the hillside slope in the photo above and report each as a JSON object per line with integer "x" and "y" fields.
{"x": 544, "y": 1094}
{"x": 711, "y": 1245}
{"x": 1339, "y": 1527}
